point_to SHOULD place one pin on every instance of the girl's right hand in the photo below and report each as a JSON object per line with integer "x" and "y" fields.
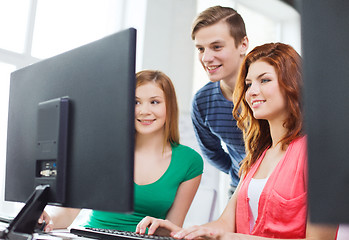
{"x": 157, "y": 226}
{"x": 46, "y": 219}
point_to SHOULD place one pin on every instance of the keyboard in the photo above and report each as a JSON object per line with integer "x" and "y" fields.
{"x": 4, "y": 222}
{"x": 4, "y": 219}
{"x": 111, "y": 234}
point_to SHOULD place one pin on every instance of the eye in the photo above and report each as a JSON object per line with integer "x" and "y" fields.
{"x": 265, "y": 80}
{"x": 155, "y": 102}
{"x": 217, "y": 47}
{"x": 200, "y": 49}
{"x": 137, "y": 102}
{"x": 248, "y": 85}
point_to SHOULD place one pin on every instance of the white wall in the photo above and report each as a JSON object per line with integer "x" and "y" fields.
{"x": 168, "y": 46}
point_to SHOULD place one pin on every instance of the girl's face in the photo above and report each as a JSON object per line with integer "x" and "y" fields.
{"x": 263, "y": 93}
{"x": 150, "y": 109}
{"x": 217, "y": 52}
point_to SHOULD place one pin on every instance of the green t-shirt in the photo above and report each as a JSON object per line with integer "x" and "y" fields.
{"x": 154, "y": 199}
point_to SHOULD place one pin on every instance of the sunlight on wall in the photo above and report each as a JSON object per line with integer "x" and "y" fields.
{"x": 59, "y": 28}
{"x": 13, "y": 23}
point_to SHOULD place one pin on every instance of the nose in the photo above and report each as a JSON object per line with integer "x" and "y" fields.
{"x": 253, "y": 89}
{"x": 143, "y": 108}
{"x": 207, "y": 56}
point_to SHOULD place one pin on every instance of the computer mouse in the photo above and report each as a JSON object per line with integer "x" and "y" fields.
{"x": 39, "y": 227}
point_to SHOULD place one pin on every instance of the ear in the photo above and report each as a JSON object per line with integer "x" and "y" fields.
{"x": 243, "y": 46}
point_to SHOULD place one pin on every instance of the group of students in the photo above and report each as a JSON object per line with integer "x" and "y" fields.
{"x": 253, "y": 103}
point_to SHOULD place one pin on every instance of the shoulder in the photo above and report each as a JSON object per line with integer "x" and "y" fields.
{"x": 211, "y": 88}
{"x": 299, "y": 143}
{"x": 298, "y": 151}
{"x": 187, "y": 154}
{"x": 183, "y": 149}
{"x": 187, "y": 161}
{"x": 209, "y": 98}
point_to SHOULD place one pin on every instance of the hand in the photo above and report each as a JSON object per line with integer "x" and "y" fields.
{"x": 47, "y": 219}
{"x": 157, "y": 226}
{"x": 200, "y": 232}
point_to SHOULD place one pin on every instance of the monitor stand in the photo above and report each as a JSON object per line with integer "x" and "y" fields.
{"x": 50, "y": 178}
{"x": 23, "y": 225}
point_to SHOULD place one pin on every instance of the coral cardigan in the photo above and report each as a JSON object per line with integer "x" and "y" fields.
{"x": 282, "y": 208}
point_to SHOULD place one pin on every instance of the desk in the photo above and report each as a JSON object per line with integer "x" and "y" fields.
{"x": 62, "y": 234}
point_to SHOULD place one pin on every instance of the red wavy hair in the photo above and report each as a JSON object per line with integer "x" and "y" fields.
{"x": 287, "y": 64}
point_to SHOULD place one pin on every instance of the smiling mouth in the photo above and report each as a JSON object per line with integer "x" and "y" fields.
{"x": 212, "y": 68}
{"x": 146, "y": 122}
{"x": 257, "y": 102}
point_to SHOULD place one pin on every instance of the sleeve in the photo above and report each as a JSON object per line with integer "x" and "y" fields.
{"x": 195, "y": 166}
{"x": 209, "y": 143}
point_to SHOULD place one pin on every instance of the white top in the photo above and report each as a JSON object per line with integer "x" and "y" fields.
{"x": 254, "y": 192}
{"x": 343, "y": 232}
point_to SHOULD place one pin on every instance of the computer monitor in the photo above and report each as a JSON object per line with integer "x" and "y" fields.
{"x": 71, "y": 130}
{"x": 326, "y": 55}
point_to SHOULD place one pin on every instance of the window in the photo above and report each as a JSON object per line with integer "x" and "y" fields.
{"x": 63, "y": 25}
{"x": 37, "y": 29}
{"x": 13, "y": 24}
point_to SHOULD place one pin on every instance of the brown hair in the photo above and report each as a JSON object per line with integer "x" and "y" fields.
{"x": 172, "y": 112}
{"x": 215, "y": 14}
{"x": 287, "y": 64}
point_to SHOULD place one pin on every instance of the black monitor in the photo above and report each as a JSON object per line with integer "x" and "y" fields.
{"x": 325, "y": 39}
{"x": 71, "y": 130}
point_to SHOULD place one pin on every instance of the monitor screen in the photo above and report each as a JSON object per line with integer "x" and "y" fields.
{"x": 71, "y": 126}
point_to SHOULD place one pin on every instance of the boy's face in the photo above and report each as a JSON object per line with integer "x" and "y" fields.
{"x": 217, "y": 52}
